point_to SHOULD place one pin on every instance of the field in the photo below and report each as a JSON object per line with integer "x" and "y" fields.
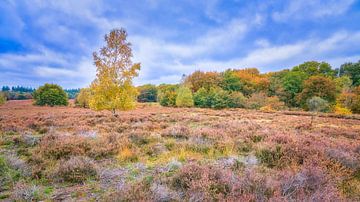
{"x": 172, "y": 154}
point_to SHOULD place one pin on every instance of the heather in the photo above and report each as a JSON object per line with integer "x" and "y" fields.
{"x": 156, "y": 153}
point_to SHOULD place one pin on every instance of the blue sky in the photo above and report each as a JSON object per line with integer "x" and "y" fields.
{"x": 52, "y": 41}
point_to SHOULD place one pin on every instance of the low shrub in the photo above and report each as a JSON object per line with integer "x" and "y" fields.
{"x": 26, "y": 192}
{"x": 76, "y": 170}
{"x": 56, "y": 146}
{"x": 177, "y": 131}
{"x": 318, "y": 104}
{"x": 271, "y": 158}
{"x": 262, "y": 101}
{"x": 338, "y": 109}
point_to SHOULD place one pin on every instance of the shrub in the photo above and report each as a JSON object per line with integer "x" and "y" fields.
{"x": 236, "y": 100}
{"x": 214, "y": 98}
{"x": 167, "y": 95}
{"x": 256, "y": 101}
{"x": 318, "y": 104}
{"x": 200, "y": 98}
{"x": 82, "y": 99}
{"x": 341, "y": 110}
{"x": 2, "y": 99}
{"x": 50, "y": 94}
{"x": 25, "y": 192}
{"x": 184, "y": 97}
{"x": 77, "y": 169}
{"x": 271, "y": 158}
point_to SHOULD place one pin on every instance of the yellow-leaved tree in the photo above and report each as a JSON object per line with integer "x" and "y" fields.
{"x": 113, "y": 89}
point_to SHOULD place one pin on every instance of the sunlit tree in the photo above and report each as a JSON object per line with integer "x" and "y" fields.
{"x": 113, "y": 89}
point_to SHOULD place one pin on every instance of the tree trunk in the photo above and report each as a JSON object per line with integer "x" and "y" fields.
{"x": 114, "y": 112}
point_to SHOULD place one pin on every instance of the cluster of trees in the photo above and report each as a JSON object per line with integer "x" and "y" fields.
{"x": 308, "y": 86}
{"x": 17, "y": 92}
{"x": 25, "y": 93}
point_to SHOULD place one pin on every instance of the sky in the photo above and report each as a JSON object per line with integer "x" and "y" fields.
{"x": 52, "y": 41}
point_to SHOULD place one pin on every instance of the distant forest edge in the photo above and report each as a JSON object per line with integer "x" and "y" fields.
{"x": 25, "y": 93}
{"x": 312, "y": 85}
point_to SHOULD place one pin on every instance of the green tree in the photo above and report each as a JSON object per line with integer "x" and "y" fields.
{"x": 313, "y": 68}
{"x": 292, "y": 83}
{"x": 353, "y": 71}
{"x": 184, "y": 97}
{"x": 318, "y": 86}
{"x": 147, "y": 93}
{"x": 200, "y": 98}
{"x": 113, "y": 89}
{"x": 50, "y": 94}
{"x": 230, "y": 81}
{"x": 343, "y": 83}
{"x": 82, "y": 99}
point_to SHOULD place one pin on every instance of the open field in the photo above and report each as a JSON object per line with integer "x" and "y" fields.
{"x": 171, "y": 154}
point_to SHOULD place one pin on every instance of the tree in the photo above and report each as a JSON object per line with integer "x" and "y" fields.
{"x": 230, "y": 81}
{"x": 313, "y": 68}
{"x": 184, "y": 97}
{"x": 50, "y": 94}
{"x": 317, "y": 104}
{"x": 318, "y": 86}
{"x": 5, "y": 88}
{"x": 2, "y": 98}
{"x": 200, "y": 79}
{"x": 343, "y": 83}
{"x": 215, "y": 98}
{"x": 147, "y": 93}
{"x": 113, "y": 89}
{"x": 292, "y": 83}
{"x": 352, "y": 70}
{"x": 82, "y": 99}
{"x": 167, "y": 94}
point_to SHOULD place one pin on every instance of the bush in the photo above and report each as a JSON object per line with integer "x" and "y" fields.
{"x": 184, "y": 97}
{"x": 318, "y": 86}
{"x": 318, "y": 104}
{"x": 256, "y": 101}
{"x": 77, "y": 169}
{"x": 200, "y": 98}
{"x": 215, "y": 98}
{"x": 341, "y": 110}
{"x": 2, "y": 99}
{"x": 167, "y": 95}
{"x": 262, "y": 101}
{"x": 236, "y": 100}
{"x": 82, "y": 99}
{"x": 50, "y": 94}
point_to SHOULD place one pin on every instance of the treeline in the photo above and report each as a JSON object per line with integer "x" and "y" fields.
{"x": 24, "y": 93}
{"x": 312, "y": 86}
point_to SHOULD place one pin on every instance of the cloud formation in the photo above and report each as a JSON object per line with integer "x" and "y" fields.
{"x": 52, "y": 41}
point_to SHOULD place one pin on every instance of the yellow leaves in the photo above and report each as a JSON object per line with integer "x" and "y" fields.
{"x": 341, "y": 110}
{"x": 113, "y": 89}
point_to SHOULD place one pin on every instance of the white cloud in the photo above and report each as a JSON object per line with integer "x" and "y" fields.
{"x": 310, "y": 9}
